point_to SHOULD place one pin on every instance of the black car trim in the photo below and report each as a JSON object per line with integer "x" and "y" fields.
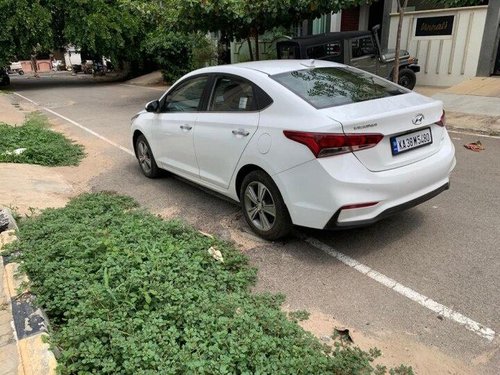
{"x": 334, "y": 224}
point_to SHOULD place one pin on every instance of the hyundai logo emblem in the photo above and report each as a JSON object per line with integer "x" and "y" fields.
{"x": 418, "y": 119}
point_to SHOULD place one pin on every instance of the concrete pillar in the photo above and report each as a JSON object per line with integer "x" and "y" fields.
{"x": 489, "y": 46}
{"x": 386, "y": 23}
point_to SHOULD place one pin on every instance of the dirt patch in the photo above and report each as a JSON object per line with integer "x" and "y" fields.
{"x": 10, "y": 113}
{"x": 24, "y": 186}
{"x": 396, "y": 349}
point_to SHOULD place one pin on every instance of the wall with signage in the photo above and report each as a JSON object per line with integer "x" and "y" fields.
{"x": 446, "y": 42}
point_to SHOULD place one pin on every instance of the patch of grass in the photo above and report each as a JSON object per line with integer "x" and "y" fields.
{"x": 130, "y": 293}
{"x": 298, "y": 315}
{"x": 43, "y": 146}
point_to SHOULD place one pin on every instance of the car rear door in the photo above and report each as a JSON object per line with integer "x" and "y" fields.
{"x": 224, "y": 130}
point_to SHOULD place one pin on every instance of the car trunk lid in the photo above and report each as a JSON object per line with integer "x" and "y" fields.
{"x": 392, "y": 117}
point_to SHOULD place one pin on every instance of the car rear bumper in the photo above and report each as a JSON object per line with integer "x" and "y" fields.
{"x": 335, "y": 224}
{"x": 316, "y": 191}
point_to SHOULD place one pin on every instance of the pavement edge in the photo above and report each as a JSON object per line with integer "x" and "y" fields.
{"x": 29, "y": 323}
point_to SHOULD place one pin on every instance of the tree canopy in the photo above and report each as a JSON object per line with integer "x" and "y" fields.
{"x": 159, "y": 30}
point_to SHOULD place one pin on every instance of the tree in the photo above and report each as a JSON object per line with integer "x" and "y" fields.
{"x": 401, "y": 11}
{"x": 243, "y": 19}
{"x": 25, "y": 26}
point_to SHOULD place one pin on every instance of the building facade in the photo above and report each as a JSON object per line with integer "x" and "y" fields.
{"x": 452, "y": 44}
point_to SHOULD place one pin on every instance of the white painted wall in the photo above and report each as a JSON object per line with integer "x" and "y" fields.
{"x": 444, "y": 60}
{"x": 335, "y": 21}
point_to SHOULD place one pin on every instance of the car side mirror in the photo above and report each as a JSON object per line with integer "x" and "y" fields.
{"x": 153, "y": 106}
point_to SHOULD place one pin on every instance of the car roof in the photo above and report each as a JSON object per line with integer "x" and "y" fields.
{"x": 326, "y": 37}
{"x": 269, "y": 67}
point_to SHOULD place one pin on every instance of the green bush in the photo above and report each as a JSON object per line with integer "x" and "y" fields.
{"x": 43, "y": 146}
{"x": 130, "y": 293}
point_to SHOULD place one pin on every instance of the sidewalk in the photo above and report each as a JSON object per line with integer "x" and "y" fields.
{"x": 473, "y": 105}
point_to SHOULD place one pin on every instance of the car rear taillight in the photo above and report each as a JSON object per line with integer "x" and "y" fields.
{"x": 442, "y": 121}
{"x": 328, "y": 144}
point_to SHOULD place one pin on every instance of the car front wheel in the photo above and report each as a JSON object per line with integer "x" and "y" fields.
{"x": 263, "y": 206}
{"x": 145, "y": 157}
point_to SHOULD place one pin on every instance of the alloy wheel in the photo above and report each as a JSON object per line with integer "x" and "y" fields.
{"x": 260, "y": 206}
{"x": 144, "y": 156}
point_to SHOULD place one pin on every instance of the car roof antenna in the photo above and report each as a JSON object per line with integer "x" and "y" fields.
{"x": 308, "y": 64}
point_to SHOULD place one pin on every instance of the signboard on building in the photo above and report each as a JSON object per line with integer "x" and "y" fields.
{"x": 434, "y": 26}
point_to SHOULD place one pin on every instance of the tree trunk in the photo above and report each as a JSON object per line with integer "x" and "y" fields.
{"x": 257, "y": 57}
{"x": 250, "y": 48}
{"x": 401, "y": 9}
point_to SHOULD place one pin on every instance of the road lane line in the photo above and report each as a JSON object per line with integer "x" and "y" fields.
{"x": 458, "y": 131}
{"x": 409, "y": 293}
{"x": 130, "y": 152}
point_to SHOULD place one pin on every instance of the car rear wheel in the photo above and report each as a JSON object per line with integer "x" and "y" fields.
{"x": 263, "y": 206}
{"x": 407, "y": 78}
{"x": 145, "y": 157}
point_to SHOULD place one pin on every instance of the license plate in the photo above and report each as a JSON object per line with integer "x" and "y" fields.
{"x": 411, "y": 141}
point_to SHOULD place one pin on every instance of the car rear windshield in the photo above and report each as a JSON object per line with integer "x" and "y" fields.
{"x": 334, "y": 86}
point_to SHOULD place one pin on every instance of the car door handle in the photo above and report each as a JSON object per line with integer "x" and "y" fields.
{"x": 242, "y": 132}
{"x": 186, "y": 127}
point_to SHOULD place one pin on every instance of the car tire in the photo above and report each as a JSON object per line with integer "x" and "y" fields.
{"x": 145, "y": 158}
{"x": 407, "y": 78}
{"x": 20, "y": 72}
{"x": 263, "y": 206}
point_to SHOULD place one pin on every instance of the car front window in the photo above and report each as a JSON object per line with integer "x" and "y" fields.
{"x": 334, "y": 86}
{"x": 187, "y": 97}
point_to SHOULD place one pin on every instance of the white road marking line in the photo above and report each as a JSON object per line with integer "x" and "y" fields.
{"x": 146, "y": 87}
{"x": 130, "y": 152}
{"x": 450, "y": 130}
{"x": 409, "y": 293}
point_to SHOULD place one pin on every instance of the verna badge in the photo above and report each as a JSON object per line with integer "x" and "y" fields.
{"x": 418, "y": 119}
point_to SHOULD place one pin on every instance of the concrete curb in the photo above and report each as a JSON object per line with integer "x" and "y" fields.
{"x": 29, "y": 323}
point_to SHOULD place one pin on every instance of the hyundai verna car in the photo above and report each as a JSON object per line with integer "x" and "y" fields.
{"x": 311, "y": 143}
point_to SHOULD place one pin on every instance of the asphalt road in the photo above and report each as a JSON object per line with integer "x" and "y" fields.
{"x": 446, "y": 249}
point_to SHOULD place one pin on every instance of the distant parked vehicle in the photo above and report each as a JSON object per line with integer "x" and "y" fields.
{"x": 98, "y": 69}
{"x": 57, "y": 65}
{"x": 87, "y": 67}
{"x": 360, "y": 49}
{"x": 16, "y": 67}
{"x": 4, "y": 77}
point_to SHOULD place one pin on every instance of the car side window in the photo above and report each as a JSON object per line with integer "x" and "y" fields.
{"x": 232, "y": 95}
{"x": 187, "y": 97}
{"x": 362, "y": 47}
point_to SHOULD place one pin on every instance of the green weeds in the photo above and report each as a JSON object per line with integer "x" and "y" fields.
{"x": 42, "y": 145}
{"x": 129, "y": 293}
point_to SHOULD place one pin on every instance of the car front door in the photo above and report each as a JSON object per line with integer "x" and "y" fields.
{"x": 223, "y": 131}
{"x": 363, "y": 54}
{"x": 172, "y": 141}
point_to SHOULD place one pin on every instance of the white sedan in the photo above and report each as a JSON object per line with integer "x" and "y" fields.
{"x": 304, "y": 142}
